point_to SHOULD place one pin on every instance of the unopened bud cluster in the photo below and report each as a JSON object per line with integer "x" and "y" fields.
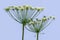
{"x": 24, "y": 7}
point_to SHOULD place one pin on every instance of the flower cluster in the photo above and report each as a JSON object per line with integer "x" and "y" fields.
{"x": 39, "y": 25}
{"x": 23, "y": 14}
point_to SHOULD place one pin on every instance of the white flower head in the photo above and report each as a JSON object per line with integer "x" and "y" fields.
{"x": 39, "y": 25}
{"x": 23, "y": 13}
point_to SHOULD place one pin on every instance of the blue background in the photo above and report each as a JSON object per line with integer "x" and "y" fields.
{"x": 11, "y": 30}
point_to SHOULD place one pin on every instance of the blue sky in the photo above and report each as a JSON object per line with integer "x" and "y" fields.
{"x": 11, "y": 30}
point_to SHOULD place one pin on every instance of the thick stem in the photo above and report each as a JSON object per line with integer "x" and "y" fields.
{"x": 37, "y": 34}
{"x": 23, "y": 32}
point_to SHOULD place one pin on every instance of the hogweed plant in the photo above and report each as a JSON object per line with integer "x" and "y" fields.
{"x": 23, "y": 14}
{"x": 39, "y": 25}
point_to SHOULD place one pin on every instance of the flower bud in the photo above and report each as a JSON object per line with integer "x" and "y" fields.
{"x": 44, "y": 19}
{"x": 21, "y": 8}
{"x": 44, "y": 16}
{"x": 54, "y": 18}
{"x": 40, "y": 9}
{"x": 32, "y": 8}
{"x": 31, "y": 22}
{"x": 16, "y": 8}
{"x": 26, "y": 7}
{"x": 37, "y": 19}
{"x": 50, "y": 16}
{"x": 7, "y": 9}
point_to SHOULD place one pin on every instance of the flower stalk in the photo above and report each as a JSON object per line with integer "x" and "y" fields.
{"x": 37, "y": 36}
{"x": 23, "y": 32}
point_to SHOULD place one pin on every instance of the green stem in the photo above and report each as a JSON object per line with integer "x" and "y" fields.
{"x": 23, "y": 32}
{"x": 37, "y": 34}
